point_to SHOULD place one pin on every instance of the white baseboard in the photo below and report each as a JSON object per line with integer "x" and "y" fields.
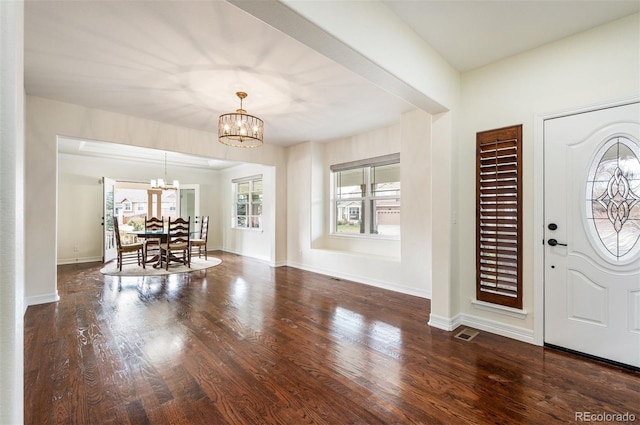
{"x": 260, "y": 258}
{"x": 483, "y": 324}
{"x": 499, "y": 328}
{"x": 63, "y": 261}
{"x": 364, "y": 280}
{"x": 444, "y": 323}
{"x": 42, "y": 299}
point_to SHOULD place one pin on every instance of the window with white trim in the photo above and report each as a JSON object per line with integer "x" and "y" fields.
{"x": 366, "y": 197}
{"x": 247, "y": 209}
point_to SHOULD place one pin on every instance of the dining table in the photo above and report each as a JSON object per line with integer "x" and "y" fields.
{"x": 156, "y": 260}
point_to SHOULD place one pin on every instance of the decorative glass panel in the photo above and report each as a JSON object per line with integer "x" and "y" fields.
{"x": 613, "y": 199}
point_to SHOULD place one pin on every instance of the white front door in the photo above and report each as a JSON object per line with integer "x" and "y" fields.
{"x": 592, "y": 233}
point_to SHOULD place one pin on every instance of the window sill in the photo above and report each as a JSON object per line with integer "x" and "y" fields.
{"x": 500, "y": 309}
{"x": 247, "y": 229}
{"x": 361, "y": 236}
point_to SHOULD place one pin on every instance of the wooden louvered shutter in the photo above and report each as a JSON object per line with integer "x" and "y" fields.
{"x": 499, "y": 216}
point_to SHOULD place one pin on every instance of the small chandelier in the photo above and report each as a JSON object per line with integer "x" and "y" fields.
{"x": 164, "y": 183}
{"x": 240, "y": 129}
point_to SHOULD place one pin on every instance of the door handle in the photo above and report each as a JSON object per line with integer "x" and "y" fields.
{"x": 553, "y": 242}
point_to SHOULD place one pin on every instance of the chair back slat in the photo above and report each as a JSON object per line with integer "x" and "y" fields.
{"x": 116, "y": 230}
{"x": 204, "y": 228}
{"x": 178, "y": 231}
{"x": 131, "y": 252}
{"x": 153, "y": 224}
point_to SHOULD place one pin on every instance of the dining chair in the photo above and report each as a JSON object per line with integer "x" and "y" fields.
{"x": 126, "y": 251}
{"x": 201, "y": 241}
{"x": 153, "y": 224}
{"x": 176, "y": 248}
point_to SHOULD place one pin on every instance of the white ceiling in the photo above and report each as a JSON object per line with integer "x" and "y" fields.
{"x": 181, "y": 62}
{"x": 472, "y": 33}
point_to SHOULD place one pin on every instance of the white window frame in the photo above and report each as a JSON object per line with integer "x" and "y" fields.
{"x": 251, "y": 205}
{"x": 365, "y": 201}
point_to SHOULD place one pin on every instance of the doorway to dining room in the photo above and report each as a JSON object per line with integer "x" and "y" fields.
{"x": 131, "y": 202}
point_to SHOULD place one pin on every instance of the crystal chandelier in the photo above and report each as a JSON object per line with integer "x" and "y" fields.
{"x": 240, "y": 129}
{"x": 164, "y": 183}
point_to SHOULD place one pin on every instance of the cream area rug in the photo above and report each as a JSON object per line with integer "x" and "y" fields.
{"x": 111, "y": 268}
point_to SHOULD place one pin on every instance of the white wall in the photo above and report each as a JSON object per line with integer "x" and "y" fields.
{"x": 376, "y": 36}
{"x": 46, "y": 119}
{"x": 403, "y": 265}
{"x": 594, "y": 67}
{"x": 80, "y": 200}
{"x": 11, "y": 212}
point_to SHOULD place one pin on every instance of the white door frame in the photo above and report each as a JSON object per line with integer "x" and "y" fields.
{"x": 538, "y": 202}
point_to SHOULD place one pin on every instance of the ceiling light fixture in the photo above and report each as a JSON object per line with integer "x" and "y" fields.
{"x": 240, "y": 129}
{"x": 164, "y": 183}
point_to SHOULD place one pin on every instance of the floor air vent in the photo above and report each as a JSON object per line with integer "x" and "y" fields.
{"x": 467, "y": 334}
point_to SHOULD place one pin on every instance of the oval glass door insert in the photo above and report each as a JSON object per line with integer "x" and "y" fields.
{"x": 613, "y": 199}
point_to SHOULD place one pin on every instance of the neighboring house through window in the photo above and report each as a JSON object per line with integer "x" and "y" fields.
{"x": 366, "y": 197}
{"x": 247, "y": 209}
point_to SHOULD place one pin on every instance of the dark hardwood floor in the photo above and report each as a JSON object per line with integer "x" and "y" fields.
{"x": 243, "y": 343}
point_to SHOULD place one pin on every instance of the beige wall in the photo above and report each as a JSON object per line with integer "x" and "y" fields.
{"x": 598, "y": 66}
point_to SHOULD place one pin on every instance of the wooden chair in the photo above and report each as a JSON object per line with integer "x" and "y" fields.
{"x": 176, "y": 249}
{"x": 152, "y": 224}
{"x": 201, "y": 241}
{"x": 126, "y": 251}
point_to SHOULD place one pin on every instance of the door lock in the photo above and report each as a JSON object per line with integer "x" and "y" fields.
{"x": 553, "y": 242}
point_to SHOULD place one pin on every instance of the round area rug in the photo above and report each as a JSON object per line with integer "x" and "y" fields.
{"x": 111, "y": 268}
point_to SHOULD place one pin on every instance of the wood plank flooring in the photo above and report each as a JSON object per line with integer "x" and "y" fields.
{"x": 243, "y": 343}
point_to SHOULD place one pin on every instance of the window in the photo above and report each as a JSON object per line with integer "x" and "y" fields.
{"x": 366, "y": 197}
{"x": 247, "y": 210}
{"x": 499, "y": 216}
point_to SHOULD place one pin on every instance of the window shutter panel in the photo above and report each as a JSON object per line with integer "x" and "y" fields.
{"x": 499, "y": 216}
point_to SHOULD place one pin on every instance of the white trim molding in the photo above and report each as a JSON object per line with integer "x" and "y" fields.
{"x": 499, "y": 328}
{"x": 366, "y": 281}
{"x": 445, "y": 323}
{"x": 499, "y": 309}
{"x": 483, "y": 324}
{"x": 42, "y": 299}
{"x": 63, "y": 261}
